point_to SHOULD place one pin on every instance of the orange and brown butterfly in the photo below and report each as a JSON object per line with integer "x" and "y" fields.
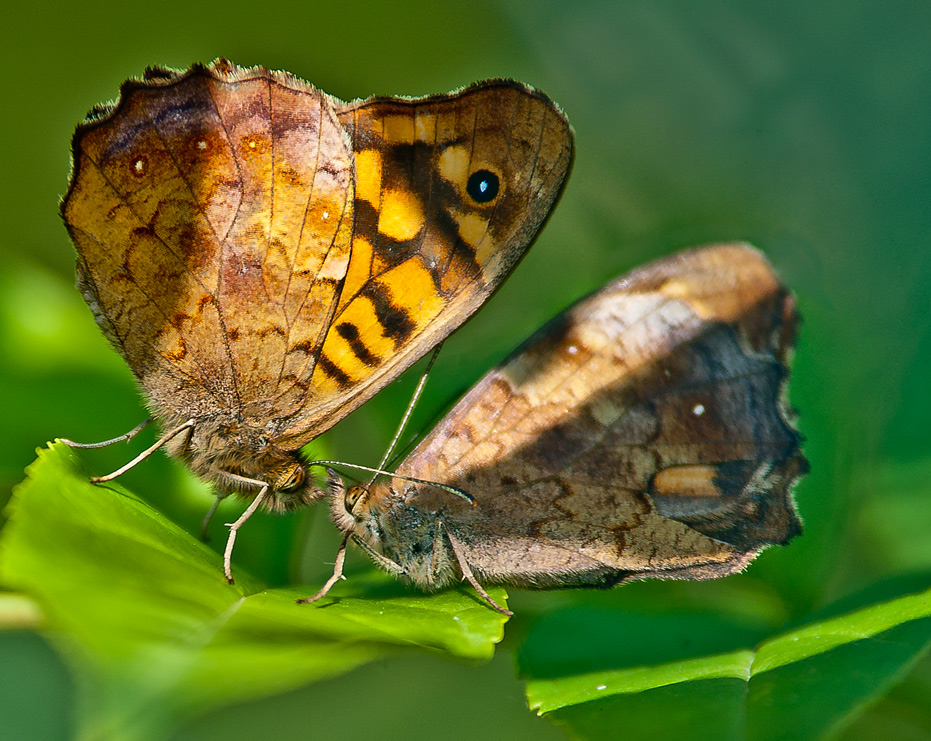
{"x": 643, "y": 433}
{"x": 266, "y": 257}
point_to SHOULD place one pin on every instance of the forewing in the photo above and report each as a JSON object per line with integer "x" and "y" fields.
{"x": 643, "y": 432}
{"x": 211, "y": 211}
{"x": 429, "y": 248}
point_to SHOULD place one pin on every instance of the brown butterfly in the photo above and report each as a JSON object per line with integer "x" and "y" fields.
{"x": 266, "y": 257}
{"x": 643, "y": 433}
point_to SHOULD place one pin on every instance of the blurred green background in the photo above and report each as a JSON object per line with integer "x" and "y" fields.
{"x": 802, "y": 127}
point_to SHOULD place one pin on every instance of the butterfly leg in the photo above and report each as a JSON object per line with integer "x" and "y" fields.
{"x": 383, "y": 561}
{"x": 234, "y": 527}
{"x": 467, "y": 572}
{"x": 209, "y": 516}
{"x": 126, "y": 437}
{"x": 145, "y": 453}
{"x": 337, "y": 574}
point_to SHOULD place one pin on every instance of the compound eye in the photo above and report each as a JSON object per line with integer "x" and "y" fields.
{"x": 294, "y": 480}
{"x": 353, "y": 496}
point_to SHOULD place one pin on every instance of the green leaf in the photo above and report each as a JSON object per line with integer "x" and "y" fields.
{"x": 154, "y": 633}
{"x": 18, "y": 611}
{"x": 36, "y": 694}
{"x": 800, "y": 684}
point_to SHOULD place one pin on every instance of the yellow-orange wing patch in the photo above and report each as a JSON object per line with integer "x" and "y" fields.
{"x": 450, "y": 192}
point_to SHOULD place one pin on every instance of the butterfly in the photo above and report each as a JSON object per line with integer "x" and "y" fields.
{"x": 642, "y": 433}
{"x": 266, "y": 257}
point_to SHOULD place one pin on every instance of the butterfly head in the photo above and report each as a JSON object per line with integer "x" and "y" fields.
{"x": 291, "y": 487}
{"x": 351, "y": 509}
{"x": 236, "y": 458}
{"x": 399, "y": 535}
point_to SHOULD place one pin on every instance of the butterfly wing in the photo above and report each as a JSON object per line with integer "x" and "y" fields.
{"x": 259, "y": 251}
{"x": 450, "y": 192}
{"x": 644, "y": 432}
{"x": 212, "y": 213}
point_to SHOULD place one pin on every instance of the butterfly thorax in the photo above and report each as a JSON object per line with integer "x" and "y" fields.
{"x": 231, "y": 455}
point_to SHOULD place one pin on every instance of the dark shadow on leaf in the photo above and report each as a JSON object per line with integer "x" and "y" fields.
{"x": 582, "y": 640}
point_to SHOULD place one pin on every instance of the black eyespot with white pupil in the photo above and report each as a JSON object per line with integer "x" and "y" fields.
{"x": 483, "y": 186}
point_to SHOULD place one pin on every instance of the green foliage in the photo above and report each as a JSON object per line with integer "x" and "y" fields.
{"x": 153, "y": 630}
{"x": 154, "y": 634}
{"x": 798, "y": 684}
{"x": 802, "y": 127}
{"x": 725, "y": 661}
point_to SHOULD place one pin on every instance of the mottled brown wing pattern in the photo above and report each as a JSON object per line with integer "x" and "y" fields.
{"x": 196, "y": 199}
{"x": 266, "y": 257}
{"x": 428, "y": 251}
{"x": 644, "y": 432}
